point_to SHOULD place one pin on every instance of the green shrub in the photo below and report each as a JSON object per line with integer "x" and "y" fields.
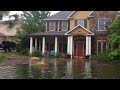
{"x": 24, "y": 52}
{"x": 36, "y": 54}
{"x": 114, "y": 55}
{"x": 102, "y": 57}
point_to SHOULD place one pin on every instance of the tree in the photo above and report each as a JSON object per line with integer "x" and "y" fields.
{"x": 114, "y": 37}
{"x": 33, "y": 22}
{"x": 3, "y": 13}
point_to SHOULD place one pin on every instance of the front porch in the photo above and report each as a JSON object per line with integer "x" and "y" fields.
{"x": 76, "y": 42}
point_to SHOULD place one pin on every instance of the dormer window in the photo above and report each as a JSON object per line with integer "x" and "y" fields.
{"x": 52, "y": 25}
{"x": 79, "y": 21}
{"x": 103, "y": 23}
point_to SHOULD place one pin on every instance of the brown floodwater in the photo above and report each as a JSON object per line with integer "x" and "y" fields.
{"x": 58, "y": 68}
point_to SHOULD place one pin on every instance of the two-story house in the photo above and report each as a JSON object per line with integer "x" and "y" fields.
{"x": 78, "y": 33}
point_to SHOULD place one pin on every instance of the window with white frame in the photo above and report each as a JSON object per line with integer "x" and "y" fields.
{"x": 81, "y": 22}
{"x": 101, "y": 46}
{"x": 102, "y": 23}
{"x": 64, "y": 25}
{"x": 52, "y": 26}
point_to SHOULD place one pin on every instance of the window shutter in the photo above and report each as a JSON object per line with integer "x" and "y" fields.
{"x": 47, "y": 26}
{"x": 85, "y": 23}
{"x": 75, "y": 22}
{"x": 60, "y": 26}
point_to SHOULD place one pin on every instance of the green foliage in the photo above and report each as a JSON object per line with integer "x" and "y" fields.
{"x": 32, "y": 23}
{"x": 36, "y": 53}
{"x": 114, "y": 55}
{"x": 107, "y": 56}
{"x": 102, "y": 57}
{"x": 24, "y": 52}
{"x": 114, "y": 37}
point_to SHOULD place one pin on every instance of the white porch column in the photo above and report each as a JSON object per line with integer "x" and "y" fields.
{"x": 39, "y": 44}
{"x": 87, "y": 45}
{"x": 31, "y": 44}
{"x": 71, "y": 45}
{"x": 68, "y": 45}
{"x": 43, "y": 45}
{"x": 56, "y": 45}
{"x": 35, "y": 42}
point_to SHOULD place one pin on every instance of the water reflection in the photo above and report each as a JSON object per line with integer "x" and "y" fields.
{"x": 87, "y": 70}
{"x": 59, "y": 68}
{"x": 69, "y": 69}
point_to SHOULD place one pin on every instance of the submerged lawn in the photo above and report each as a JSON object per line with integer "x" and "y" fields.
{"x": 15, "y": 66}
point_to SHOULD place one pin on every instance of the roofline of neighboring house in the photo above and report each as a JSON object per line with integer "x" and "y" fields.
{"x": 54, "y": 19}
{"x": 82, "y": 27}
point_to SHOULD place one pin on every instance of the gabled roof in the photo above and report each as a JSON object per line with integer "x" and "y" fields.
{"x": 91, "y": 33}
{"x": 63, "y": 15}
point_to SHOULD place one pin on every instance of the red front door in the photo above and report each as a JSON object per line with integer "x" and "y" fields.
{"x": 79, "y": 49}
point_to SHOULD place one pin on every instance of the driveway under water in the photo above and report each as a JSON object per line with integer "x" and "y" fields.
{"x": 57, "y": 68}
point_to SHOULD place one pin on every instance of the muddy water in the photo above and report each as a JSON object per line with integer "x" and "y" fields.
{"x": 60, "y": 68}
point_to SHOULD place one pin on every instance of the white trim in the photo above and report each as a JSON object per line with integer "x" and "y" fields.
{"x": 79, "y": 26}
{"x": 35, "y": 42}
{"x": 98, "y": 24}
{"x": 56, "y": 44}
{"x": 87, "y": 47}
{"x": 43, "y": 45}
{"x": 54, "y": 25}
{"x": 71, "y": 14}
{"x": 31, "y": 44}
{"x": 90, "y": 14}
{"x": 68, "y": 45}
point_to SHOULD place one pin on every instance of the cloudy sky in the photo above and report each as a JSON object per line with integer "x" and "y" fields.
{"x": 19, "y": 12}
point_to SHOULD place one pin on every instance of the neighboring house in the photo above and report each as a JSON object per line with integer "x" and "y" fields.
{"x": 2, "y": 36}
{"x": 8, "y": 33}
{"x": 78, "y": 33}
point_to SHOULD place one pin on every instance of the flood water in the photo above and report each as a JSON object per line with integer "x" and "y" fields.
{"x": 60, "y": 69}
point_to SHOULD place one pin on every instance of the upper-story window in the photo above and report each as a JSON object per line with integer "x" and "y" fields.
{"x": 52, "y": 26}
{"x": 80, "y": 21}
{"x": 64, "y": 25}
{"x": 102, "y": 23}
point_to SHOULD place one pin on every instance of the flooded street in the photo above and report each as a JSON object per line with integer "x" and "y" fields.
{"x": 58, "y": 68}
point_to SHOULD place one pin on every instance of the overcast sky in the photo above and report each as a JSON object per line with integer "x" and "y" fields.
{"x": 19, "y": 12}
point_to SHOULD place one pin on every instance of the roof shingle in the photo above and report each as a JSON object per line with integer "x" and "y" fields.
{"x": 59, "y": 16}
{"x": 52, "y": 33}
